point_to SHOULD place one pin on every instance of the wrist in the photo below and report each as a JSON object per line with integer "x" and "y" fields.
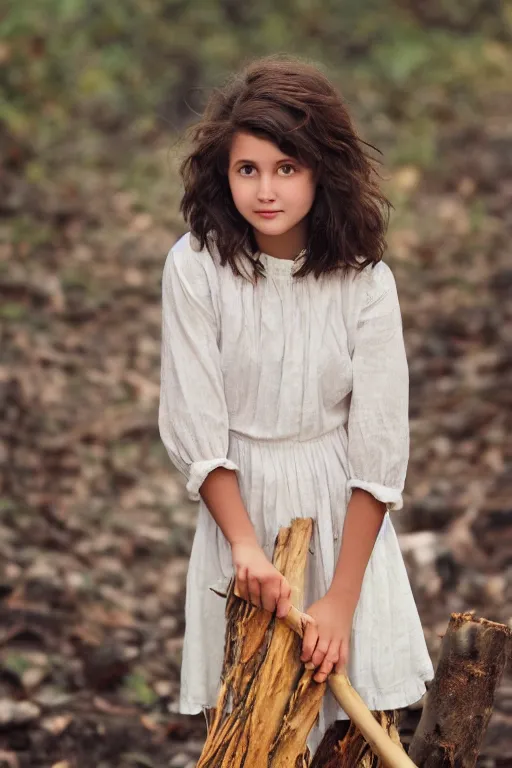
{"x": 246, "y": 539}
{"x": 349, "y": 596}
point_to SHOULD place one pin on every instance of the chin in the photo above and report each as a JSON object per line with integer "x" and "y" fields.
{"x": 272, "y": 227}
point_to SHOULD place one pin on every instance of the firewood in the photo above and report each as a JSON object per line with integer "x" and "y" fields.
{"x": 268, "y": 701}
{"x": 261, "y": 670}
{"x": 460, "y": 700}
{"x": 376, "y": 736}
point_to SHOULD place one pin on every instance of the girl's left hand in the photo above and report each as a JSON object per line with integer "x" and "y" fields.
{"x": 326, "y": 641}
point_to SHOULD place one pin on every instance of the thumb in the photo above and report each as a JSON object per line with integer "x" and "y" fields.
{"x": 341, "y": 666}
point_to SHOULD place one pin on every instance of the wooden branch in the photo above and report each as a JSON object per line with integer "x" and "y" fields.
{"x": 460, "y": 700}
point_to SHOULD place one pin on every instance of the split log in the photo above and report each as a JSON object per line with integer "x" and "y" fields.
{"x": 258, "y": 720}
{"x": 460, "y": 700}
{"x": 268, "y": 701}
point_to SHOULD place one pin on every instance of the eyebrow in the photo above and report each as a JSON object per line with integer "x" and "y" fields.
{"x": 253, "y": 162}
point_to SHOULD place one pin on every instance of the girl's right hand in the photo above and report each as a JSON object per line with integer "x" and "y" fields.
{"x": 259, "y": 582}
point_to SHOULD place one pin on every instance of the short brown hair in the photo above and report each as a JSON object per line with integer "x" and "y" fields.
{"x": 290, "y": 102}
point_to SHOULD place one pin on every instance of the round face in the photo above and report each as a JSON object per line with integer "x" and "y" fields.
{"x": 272, "y": 191}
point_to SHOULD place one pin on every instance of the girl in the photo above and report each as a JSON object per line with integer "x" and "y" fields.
{"x": 284, "y": 384}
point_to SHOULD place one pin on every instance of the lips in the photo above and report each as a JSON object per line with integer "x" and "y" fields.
{"x": 268, "y": 214}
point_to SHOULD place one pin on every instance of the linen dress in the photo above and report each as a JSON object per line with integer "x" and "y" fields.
{"x": 301, "y": 387}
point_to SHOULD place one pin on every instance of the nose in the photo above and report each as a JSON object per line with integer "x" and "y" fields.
{"x": 265, "y": 191}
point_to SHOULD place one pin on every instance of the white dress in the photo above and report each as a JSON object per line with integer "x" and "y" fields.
{"x": 301, "y": 387}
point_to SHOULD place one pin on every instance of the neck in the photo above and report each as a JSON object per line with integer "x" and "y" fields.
{"x": 285, "y": 246}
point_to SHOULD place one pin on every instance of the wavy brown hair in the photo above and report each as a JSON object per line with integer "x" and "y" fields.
{"x": 290, "y": 102}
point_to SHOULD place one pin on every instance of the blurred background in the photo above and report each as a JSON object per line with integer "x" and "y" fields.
{"x": 95, "y": 528}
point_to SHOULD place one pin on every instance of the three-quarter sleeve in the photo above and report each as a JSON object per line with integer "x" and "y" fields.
{"x": 378, "y": 421}
{"x": 192, "y": 416}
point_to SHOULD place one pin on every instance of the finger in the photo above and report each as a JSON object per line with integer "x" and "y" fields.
{"x": 319, "y": 653}
{"x": 241, "y": 583}
{"x": 309, "y": 641}
{"x": 323, "y": 671}
{"x": 326, "y": 667}
{"x": 254, "y": 591}
{"x": 269, "y": 596}
{"x": 284, "y": 603}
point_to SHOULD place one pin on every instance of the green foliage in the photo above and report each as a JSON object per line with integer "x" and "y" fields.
{"x": 13, "y": 310}
{"x": 137, "y": 690}
{"x": 70, "y": 66}
{"x": 17, "y": 663}
{"x": 87, "y": 86}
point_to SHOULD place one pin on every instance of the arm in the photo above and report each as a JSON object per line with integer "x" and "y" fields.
{"x": 258, "y": 581}
{"x": 378, "y": 451}
{"x": 378, "y": 428}
{"x": 363, "y": 522}
{"x": 193, "y": 418}
{"x": 221, "y": 494}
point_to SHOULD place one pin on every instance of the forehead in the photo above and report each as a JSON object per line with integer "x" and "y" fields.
{"x": 249, "y": 147}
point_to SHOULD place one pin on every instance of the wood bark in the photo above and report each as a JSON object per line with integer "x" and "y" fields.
{"x": 460, "y": 700}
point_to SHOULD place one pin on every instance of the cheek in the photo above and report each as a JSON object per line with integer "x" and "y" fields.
{"x": 239, "y": 193}
{"x": 302, "y": 196}
{"x": 311, "y": 194}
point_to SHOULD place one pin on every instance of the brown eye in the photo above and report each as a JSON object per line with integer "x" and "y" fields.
{"x": 241, "y": 169}
{"x": 289, "y": 166}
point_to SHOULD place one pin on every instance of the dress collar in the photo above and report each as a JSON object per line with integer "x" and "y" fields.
{"x": 277, "y": 266}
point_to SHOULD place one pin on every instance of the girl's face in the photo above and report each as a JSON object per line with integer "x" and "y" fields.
{"x": 262, "y": 179}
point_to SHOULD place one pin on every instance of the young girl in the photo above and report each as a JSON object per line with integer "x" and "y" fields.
{"x": 284, "y": 384}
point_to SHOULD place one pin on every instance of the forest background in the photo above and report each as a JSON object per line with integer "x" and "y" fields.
{"x": 95, "y": 528}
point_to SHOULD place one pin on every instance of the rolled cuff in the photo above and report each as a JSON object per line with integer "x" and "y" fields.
{"x": 391, "y": 497}
{"x": 200, "y": 470}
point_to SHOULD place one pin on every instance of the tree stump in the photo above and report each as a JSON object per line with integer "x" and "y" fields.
{"x": 460, "y": 700}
